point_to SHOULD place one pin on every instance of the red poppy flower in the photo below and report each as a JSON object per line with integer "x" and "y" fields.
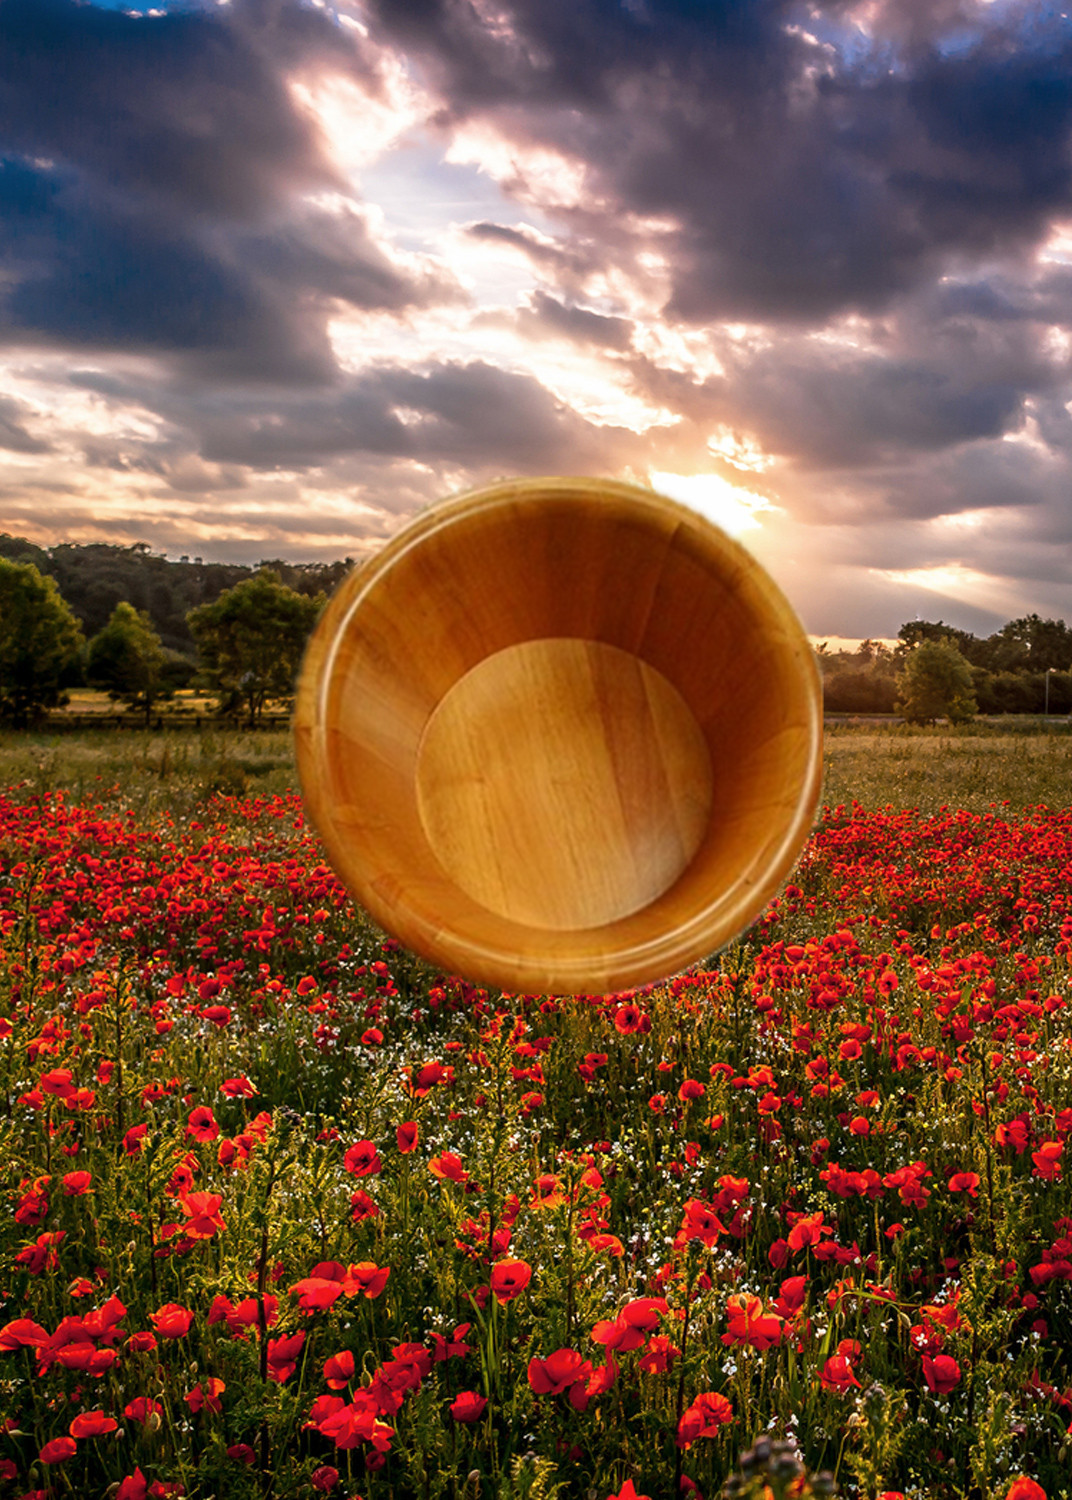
{"x": 362, "y": 1206}
{"x": 32, "y": 1207}
{"x": 237, "y": 1088}
{"x": 807, "y": 1230}
{"x": 339, "y": 1370}
{"x": 1025, "y": 1489}
{"x": 659, "y": 1355}
{"x": 598, "y": 1243}
{"x": 202, "y": 1124}
{"x": 448, "y": 1167}
{"x": 628, "y": 1018}
{"x": 1047, "y": 1160}
{"x": 141, "y": 1409}
{"x": 202, "y": 1211}
{"x": 602, "y": 1377}
{"x": 454, "y": 1347}
{"x": 628, "y": 1491}
{"x": 617, "y": 1335}
{"x": 362, "y": 1159}
{"x": 701, "y": 1222}
{"x": 241, "y": 1453}
{"x": 749, "y": 1324}
{"x": 941, "y": 1373}
{"x": 431, "y": 1074}
{"x": 406, "y": 1135}
{"x": 708, "y": 1413}
{"x": 964, "y": 1182}
{"x": 133, "y": 1487}
{"x": 366, "y": 1278}
{"x": 315, "y": 1293}
{"x": 76, "y": 1183}
{"x": 60, "y": 1082}
{"x": 57, "y": 1450}
{"x": 468, "y": 1406}
{"x": 559, "y": 1371}
{"x": 508, "y": 1278}
{"x": 22, "y": 1333}
{"x": 644, "y": 1313}
{"x": 836, "y": 1374}
{"x": 171, "y": 1321}
{"x": 283, "y": 1356}
{"x": 92, "y": 1424}
{"x": 207, "y": 1393}
{"x": 324, "y": 1478}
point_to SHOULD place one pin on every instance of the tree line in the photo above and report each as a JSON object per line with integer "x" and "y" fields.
{"x": 95, "y": 577}
{"x": 248, "y": 641}
{"x": 140, "y": 627}
{"x": 935, "y": 671}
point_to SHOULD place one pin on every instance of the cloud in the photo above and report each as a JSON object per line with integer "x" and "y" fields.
{"x": 13, "y": 435}
{"x": 163, "y": 191}
{"x": 473, "y": 415}
{"x": 188, "y": 110}
{"x": 546, "y": 315}
{"x": 806, "y": 174}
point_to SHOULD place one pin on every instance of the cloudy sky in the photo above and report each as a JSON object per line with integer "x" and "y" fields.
{"x": 274, "y": 275}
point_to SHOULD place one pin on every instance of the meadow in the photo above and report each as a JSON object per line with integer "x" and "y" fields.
{"x": 286, "y": 1213}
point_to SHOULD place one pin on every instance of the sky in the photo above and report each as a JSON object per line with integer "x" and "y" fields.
{"x": 275, "y": 275}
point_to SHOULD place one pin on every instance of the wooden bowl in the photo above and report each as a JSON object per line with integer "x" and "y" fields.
{"x": 561, "y": 736}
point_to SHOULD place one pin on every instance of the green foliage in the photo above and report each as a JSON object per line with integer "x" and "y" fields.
{"x": 126, "y": 659}
{"x": 936, "y": 683}
{"x": 96, "y": 576}
{"x": 252, "y": 639}
{"x": 39, "y": 643}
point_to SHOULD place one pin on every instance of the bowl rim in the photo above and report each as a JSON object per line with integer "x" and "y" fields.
{"x": 646, "y": 960}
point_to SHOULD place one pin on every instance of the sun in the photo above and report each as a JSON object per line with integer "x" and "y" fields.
{"x": 735, "y": 509}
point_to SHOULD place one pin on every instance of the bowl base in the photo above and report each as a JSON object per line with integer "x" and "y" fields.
{"x": 563, "y": 783}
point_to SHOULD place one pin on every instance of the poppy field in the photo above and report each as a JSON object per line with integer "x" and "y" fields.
{"x": 285, "y": 1213}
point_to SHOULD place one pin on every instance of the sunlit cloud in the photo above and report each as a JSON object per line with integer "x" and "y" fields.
{"x": 956, "y": 581}
{"x": 740, "y": 451}
{"x": 539, "y": 175}
{"x": 735, "y": 509}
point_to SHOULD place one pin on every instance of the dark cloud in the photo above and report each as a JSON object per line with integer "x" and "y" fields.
{"x": 474, "y": 415}
{"x": 843, "y": 409}
{"x": 547, "y": 315}
{"x": 149, "y": 196}
{"x": 187, "y": 109}
{"x": 13, "y": 435}
{"x": 806, "y": 176}
{"x": 569, "y": 259}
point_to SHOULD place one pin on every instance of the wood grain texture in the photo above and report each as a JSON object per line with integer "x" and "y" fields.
{"x": 561, "y": 735}
{"x": 563, "y": 783}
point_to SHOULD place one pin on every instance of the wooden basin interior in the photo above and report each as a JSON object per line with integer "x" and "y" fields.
{"x": 561, "y": 736}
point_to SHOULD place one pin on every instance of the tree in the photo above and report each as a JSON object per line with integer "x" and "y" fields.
{"x": 126, "y": 658}
{"x": 252, "y": 638}
{"x": 40, "y": 643}
{"x": 1033, "y": 644}
{"x": 935, "y": 683}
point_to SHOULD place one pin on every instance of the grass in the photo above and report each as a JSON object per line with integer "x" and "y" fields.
{"x": 177, "y": 771}
{"x": 970, "y": 768}
{"x": 171, "y": 772}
